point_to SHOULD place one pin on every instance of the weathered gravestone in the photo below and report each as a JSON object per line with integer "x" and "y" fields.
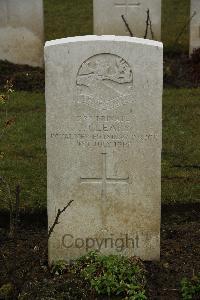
{"x": 108, "y": 17}
{"x": 104, "y": 102}
{"x": 195, "y": 25}
{"x": 21, "y": 31}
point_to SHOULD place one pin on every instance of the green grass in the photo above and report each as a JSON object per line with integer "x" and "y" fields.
{"x": 24, "y": 160}
{"x": 65, "y": 18}
{"x": 175, "y": 15}
{"x": 181, "y": 153}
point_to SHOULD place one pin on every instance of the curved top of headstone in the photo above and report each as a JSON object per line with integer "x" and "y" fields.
{"x": 112, "y": 38}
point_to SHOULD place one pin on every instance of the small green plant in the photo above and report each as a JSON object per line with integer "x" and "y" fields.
{"x": 113, "y": 275}
{"x": 6, "y": 291}
{"x": 6, "y": 122}
{"x": 190, "y": 289}
{"x": 59, "y": 267}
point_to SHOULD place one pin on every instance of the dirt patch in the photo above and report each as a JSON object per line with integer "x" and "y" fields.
{"x": 24, "y": 78}
{"x": 180, "y": 257}
{"x": 182, "y": 71}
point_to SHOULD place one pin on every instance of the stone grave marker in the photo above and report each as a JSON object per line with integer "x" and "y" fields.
{"x": 195, "y": 25}
{"x": 104, "y": 123}
{"x": 110, "y": 17}
{"x": 21, "y": 31}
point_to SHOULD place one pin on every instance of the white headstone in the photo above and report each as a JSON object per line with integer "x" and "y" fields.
{"x": 21, "y": 31}
{"x": 195, "y": 25}
{"x": 108, "y": 17}
{"x": 104, "y": 106}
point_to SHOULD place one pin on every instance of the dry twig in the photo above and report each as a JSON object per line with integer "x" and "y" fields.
{"x": 56, "y": 221}
{"x": 183, "y": 29}
{"x": 148, "y": 26}
{"x": 13, "y": 207}
{"x": 127, "y": 25}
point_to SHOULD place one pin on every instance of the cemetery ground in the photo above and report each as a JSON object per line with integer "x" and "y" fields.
{"x": 23, "y": 163}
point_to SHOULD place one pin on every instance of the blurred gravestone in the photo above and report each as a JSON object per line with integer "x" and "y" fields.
{"x": 21, "y": 31}
{"x": 108, "y": 17}
{"x": 195, "y": 25}
{"x": 104, "y": 122}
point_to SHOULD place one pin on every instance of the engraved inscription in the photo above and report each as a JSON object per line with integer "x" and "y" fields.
{"x": 127, "y": 4}
{"x": 105, "y": 131}
{"x": 104, "y": 81}
{"x": 104, "y": 179}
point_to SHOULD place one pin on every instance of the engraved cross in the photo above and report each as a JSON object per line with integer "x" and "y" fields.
{"x": 127, "y": 4}
{"x": 104, "y": 179}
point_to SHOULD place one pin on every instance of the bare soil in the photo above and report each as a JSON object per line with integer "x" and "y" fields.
{"x": 24, "y": 263}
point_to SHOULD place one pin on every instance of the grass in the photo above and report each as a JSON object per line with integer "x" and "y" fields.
{"x": 71, "y": 18}
{"x": 65, "y": 18}
{"x": 175, "y": 15}
{"x": 181, "y": 154}
{"x": 24, "y": 159}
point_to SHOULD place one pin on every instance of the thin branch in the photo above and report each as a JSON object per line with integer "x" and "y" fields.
{"x": 148, "y": 25}
{"x": 127, "y": 26}
{"x": 151, "y": 28}
{"x": 183, "y": 29}
{"x": 13, "y": 207}
{"x": 146, "y": 29}
{"x": 56, "y": 221}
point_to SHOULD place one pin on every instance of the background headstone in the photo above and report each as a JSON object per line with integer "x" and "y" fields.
{"x": 104, "y": 107}
{"x": 195, "y": 25}
{"x": 108, "y": 17}
{"x": 21, "y": 31}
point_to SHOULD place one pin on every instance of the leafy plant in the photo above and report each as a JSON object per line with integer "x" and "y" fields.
{"x": 113, "y": 275}
{"x": 59, "y": 267}
{"x": 4, "y": 101}
{"x": 6, "y": 291}
{"x": 190, "y": 289}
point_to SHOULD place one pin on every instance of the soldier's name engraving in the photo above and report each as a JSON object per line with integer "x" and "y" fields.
{"x": 109, "y": 127}
{"x": 103, "y": 123}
